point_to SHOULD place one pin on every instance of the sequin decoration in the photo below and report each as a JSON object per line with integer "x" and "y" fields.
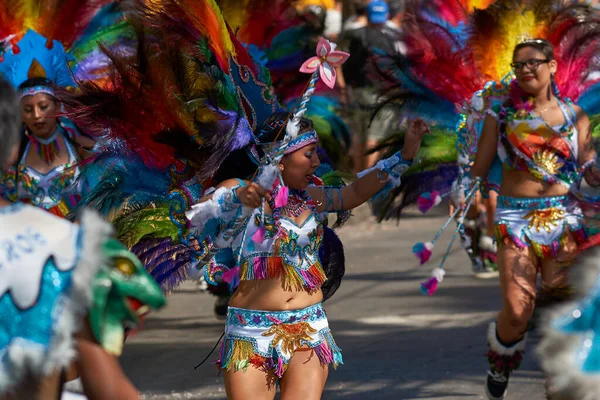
{"x": 291, "y": 336}
{"x": 548, "y": 160}
{"x": 546, "y": 219}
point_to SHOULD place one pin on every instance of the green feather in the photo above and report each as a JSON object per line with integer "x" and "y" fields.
{"x": 151, "y": 221}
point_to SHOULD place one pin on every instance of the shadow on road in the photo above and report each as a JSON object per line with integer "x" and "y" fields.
{"x": 382, "y": 361}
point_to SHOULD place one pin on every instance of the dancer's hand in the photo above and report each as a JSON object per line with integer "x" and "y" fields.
{"x": 252, "y": 194}
{"x": 417, "y": 128}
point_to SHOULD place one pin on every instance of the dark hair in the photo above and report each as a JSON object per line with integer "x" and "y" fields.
{"x": 33, "y": 82}
{"x": 271, "y": 129}
{"x": 542, "y": 45}
{"x": 240, "y": 164}
{"x": 10, "y": 120}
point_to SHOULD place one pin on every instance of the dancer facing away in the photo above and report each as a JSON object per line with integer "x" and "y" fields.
{"x": 545, "y": 143}
{"x": 66, "y": 291}
{"x": 276, "y": 326}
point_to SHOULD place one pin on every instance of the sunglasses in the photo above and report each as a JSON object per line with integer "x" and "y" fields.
{"x": 532, "y": 64}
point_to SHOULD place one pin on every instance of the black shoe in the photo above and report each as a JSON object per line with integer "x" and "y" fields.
{"x": 221, "y": 305}
{"x": 496, "y": 385}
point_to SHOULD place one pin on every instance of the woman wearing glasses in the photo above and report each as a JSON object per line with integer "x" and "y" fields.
{"x": 544, "y": 142}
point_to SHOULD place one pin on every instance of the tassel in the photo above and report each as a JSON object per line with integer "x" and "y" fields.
{"x": 428, "y": 200}
{"x": 423, "y": 251}
{"x": 232, "y": 277}
{"x": 429, "y": 287}
{"x": 281, "y": 367}
{"x": 281, "y": 198}
{"x": 259, "y": 235}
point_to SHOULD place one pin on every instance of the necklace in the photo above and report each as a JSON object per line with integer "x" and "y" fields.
{"x": 47, "y": 149}
{"x": 295, "y": 206}
{"x": 297, "y": 203}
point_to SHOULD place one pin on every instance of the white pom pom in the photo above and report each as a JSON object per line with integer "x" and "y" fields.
{"x": 477, "y": 102}
{"x": 438, "y": 274}
{"x": 268, "y": 175}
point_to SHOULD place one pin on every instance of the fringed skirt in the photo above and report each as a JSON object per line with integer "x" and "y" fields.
{"x": 267, "y": 340}
{"x": 543, "y": 223}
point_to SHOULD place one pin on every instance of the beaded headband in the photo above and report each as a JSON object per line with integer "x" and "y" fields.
{"x": 32, "y": 91}
{"x": 302, "y": 140}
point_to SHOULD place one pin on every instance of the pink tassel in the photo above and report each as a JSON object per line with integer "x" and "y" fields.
{"x": 259, "y": 235}
{"x": 429, "y": 287}
{"x": 429, "y": 200}
{"x": 423, "y": 251}
{"x": 282, "y": 196}
{"x": 232, "y": 276}
{"x": 280, "y": 370}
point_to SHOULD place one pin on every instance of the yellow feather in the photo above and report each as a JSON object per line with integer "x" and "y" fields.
{"x": 224, "y": 31}
{"x": 31, "y": 13}
{"x": 326, "y": 4}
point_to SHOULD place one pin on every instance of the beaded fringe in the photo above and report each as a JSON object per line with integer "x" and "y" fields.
{"x": 504, "y": 234}
{"x": 293, "y": 278}
{"x": 238, "y": 354}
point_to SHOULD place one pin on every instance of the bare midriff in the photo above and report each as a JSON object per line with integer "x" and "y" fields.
{"x": 269, "y": 295}
{"x": 524, "y": 184}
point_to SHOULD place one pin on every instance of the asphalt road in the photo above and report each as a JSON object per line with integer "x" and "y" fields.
{"x": 397, "y": 343}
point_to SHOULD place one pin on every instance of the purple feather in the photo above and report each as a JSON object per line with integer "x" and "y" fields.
{"x": 165, "y": 261}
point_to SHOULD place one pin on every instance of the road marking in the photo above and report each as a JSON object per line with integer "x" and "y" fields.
{"x": 432, "y": 321}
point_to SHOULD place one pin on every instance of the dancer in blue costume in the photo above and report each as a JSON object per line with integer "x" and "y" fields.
{"x": 66, "y": 291}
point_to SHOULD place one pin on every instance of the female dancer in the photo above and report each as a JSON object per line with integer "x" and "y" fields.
{"x": 542, "y": 139}
{"x": 66, "y": 291}
{"x": 276, "y": 326}
{"x": 45, "y": 173}
{"x": 545, "y": 143}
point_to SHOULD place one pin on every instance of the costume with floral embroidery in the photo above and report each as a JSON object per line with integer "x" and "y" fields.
{"x": 55, "y": 273}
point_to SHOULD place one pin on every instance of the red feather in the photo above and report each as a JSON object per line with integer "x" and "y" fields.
{"x": 66, "y": 20}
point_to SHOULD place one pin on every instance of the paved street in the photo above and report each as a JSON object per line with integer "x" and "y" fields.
{"x": 397, "y": 343}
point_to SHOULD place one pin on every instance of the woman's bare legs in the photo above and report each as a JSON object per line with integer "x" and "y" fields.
{"x": 518, "y": 273}
{"x": 305, "y": 377}
{"x": 555, "y": 287}
{"x": 249, "y": 384}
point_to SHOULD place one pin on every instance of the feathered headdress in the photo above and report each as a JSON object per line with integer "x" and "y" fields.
{"x": 188, "y": 96}
{"x": 282, "y": 35}
{"x": 40, "y": 39}
{"x": 444, "y": 78}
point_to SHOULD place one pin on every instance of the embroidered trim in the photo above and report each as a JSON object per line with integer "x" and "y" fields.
{"x": 290, "y": 331}
{"x": 32, "y": 91}
{"x": 265, "y": 319}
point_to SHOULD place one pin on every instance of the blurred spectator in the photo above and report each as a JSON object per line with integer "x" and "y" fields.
{"x": 333, "y": 22}
{"x": 363, "y": 99}
{"x": 359, "y": 18}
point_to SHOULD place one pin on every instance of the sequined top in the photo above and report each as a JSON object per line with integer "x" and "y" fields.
{"x": 528, "y": 143}
{"x": 283, "y": 249}
{"x": 38, "y": 255}
{"x": 532, "y": 145}
{"x": 55, "y": 191}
